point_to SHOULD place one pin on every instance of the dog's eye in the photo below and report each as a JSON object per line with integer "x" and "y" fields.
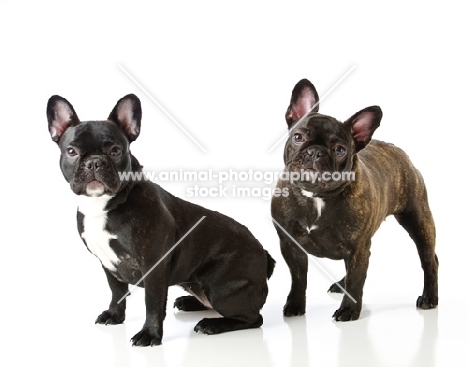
{"x": 298, "y": 138}
{"x": 71, "y": 152}
{"x": 340, "y": 150}
{"x": 115, "y": 151}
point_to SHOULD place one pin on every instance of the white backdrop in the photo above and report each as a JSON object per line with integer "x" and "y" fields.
{"x": 225, "y": 72}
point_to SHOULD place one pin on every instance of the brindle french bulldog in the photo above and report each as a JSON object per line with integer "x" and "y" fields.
{"x": 350, "y": 184}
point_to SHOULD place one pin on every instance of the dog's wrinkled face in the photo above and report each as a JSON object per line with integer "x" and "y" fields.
{"x": 320, "y": 149}
{"x": 317, "y": 149}
{"x": 93, "y": 153}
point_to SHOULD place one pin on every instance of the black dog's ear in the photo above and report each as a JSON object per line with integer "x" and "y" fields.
{"x": 363, "y": 124}
{"x": 61, "y": 115}
{"x": 127, "y": 114}
{"x": 304, "y": 98}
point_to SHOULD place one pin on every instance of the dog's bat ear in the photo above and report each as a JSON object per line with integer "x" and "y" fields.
{"x": 363, "y": 124}
{"x": 127, "y": 114}
{"x": 304, "y": 99}
{"x": 60, "y": 115}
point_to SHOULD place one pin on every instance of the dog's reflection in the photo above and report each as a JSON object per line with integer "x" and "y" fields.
{"x": 356, "y": 346}
{"x": 123, "y": 349}
{"x": 240, "y": 348}
{"x": 121, "y": 344}
{"x": 427, "y": 347}
{"x": 299, "y": 341}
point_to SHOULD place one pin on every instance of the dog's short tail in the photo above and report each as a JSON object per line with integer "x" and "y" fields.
{"x": 270, "y": 264}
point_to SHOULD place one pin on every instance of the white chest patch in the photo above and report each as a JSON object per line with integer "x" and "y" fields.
{"x": 307, "y": 194}
{"x": 310, "y": 229}
{"x": 319, "y": 206}
{"x": 96, "y": 236}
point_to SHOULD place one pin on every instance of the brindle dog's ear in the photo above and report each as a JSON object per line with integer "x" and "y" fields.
{"x": 363, "y": 124}
{"x": 304, "y": 99}
{"x": 127, "y": 114}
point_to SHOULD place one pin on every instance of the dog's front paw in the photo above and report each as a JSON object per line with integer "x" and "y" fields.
{"x": 147, "y": 337}
{"x": 426, "y": 302}
{"x": 346, "y": 314}
{"x": 294, "y": 308}
{"x": 110, "y": 318}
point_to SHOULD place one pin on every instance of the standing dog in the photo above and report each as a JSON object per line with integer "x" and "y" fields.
{"x": 331, "y": 215}
{"x": 131, "y": 226}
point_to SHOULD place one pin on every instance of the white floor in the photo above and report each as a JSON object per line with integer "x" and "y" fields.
{"x": 390, "y": 334}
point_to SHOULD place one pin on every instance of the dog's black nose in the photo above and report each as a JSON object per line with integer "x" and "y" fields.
{"x": 93, "y": 163}
{"x": 315, "y": 152}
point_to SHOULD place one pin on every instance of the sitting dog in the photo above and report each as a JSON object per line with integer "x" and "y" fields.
{"x": 348, "y": 186}
{"x": 133, "y": 227}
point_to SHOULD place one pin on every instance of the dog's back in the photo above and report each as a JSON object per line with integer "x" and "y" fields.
{"x": 387, "y": 173}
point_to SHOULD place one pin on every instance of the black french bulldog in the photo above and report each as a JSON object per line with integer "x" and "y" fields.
{"x": 349, "y": 185}
{"x": 132, "y": 225}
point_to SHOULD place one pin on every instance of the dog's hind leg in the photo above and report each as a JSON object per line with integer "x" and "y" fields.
{"x": 196, "y": 302}
{"x": 338, "y": 286}
{"x": 220, "y": 325}
{"x": 189, "y": 303}
{"x": 240, "y": 308}
{"x": 419, "y": 224}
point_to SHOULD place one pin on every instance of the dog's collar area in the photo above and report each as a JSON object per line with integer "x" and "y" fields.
{"x": 90, "y": 205}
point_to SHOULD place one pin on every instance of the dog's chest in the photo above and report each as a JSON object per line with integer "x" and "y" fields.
{"x": 95, "y": 235}
{"x": 315, "y": 206}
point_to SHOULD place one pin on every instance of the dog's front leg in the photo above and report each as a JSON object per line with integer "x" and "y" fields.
{"x": 298, "y": 266}
{"x": 356, "y": 266}
{"x": 156, "y": 286}
{"x": 116, "y": 312}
